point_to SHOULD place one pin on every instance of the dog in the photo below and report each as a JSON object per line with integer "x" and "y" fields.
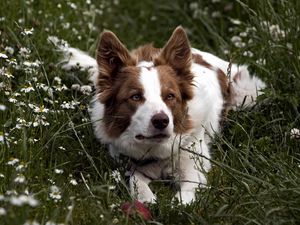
{"x": 160, "y": 107}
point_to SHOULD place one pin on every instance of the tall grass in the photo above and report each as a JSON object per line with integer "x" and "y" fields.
{"x": 53, "y": 170}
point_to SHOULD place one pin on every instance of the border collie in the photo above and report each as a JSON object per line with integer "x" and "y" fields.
{"x": 160, "y": 107}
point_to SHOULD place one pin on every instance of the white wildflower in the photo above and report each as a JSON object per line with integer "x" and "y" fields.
{"x": 41, "y": 109}
{"x": 248, "y": 54}
{"x": 216, "y": 14}
{"x": 111, "y": 187}
{"x": 3, "y": 56}
{"x": 34, "y": 64}
{"x": 194, "y": 5}
{"x": 32, "y": 140}
{"x": 2, "y": 175}
{"x": 60, "y": 87}
{"x": 112, "y": 206}
{"x": 53, "y": 39}
{"x": 12, "y": 100}
{"x": 31, "y": 222}
{"x": 23, "y": 200}
{"x": 32, "y": 201}
{"x": 7, "y": 74}
{"x": 57, "y": 79}
{"x": 237, "y": 41}
{"x": 55, "y": 193}
{"x": 289, "y": 46}
{"x": 115, "y": 221}
{"x": 27, "y": 89}
{"x": 58, "y": 171}
{"x": 295, "y": 133}
{"x": 84, "y": 120}
{"x": 116, "y": 176}
{"x": 59, "y": 43}
{"x": 27, "y": 32}
{"x": 69, "y": 105}
{"x": 20, "y": 179}
{"x": 9, "y": 50}
{"x": 75, "y": 31}
{"x": 73, "y": 182}
{"x": 276, "y": 32}
{"x": 235, "y": 21}
{"x": 86, "y": 89}
{"x": 20, "y": 167}
{"x": 2, "y": 107}
{"x": 73, "y": 5}
{"x": 2, "y": 211}
{"x": 11, "y": 192}
{"x": 13, "y": 161}
{"x": 62, "y": 148}
{"x": 66, "y": 25}
{"x": 243, "y": 34}
{"x": 24, "y": 52}
{"x": 261, "y": 61}
{"x": 40, "y": 120}
{"x": 75, "y": 87}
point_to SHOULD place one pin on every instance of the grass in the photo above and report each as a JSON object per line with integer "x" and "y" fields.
{"x": 53, "y": 170}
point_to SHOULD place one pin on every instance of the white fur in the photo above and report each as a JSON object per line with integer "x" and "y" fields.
{"x": 246, "y": 89}
{"x": 75, "y": 58}
{"x": 190, "y": 151}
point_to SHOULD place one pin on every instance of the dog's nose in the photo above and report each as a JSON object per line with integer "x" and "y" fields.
{"x": 160, "y": 120}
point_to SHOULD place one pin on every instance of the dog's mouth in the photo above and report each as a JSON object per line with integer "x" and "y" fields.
{"x": 156, "y": 137}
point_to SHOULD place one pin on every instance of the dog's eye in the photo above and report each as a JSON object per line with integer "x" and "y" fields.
{"x": 170, "y": 96}
{"x": 136, "y": 97}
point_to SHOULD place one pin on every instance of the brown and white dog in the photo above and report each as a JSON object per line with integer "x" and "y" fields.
{"x": 160, "y": 107}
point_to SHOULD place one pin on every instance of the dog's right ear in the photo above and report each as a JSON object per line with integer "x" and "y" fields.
{"x": 111, "y": 56}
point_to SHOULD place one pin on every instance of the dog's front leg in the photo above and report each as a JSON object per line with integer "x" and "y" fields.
{"x": 139, "y": 188}
{"x": 190, "y": 179}
{"x": 191, "y": 176}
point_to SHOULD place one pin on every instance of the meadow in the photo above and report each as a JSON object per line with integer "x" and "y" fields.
{"x": 54, "y": 171}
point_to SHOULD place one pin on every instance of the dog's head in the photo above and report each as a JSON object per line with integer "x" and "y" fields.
{"x": 145, "y": 99}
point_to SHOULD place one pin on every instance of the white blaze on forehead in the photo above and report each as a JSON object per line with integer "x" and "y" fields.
{"x": 145, "y": 64}
{"x": 141, "y": 121}
{"x": 150, "y": 80}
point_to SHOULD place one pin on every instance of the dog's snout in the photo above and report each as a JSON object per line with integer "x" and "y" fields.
{"x": 160, "y": 120}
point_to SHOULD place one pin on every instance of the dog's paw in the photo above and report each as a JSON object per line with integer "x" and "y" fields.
{"x": 185, "y": 197}
{"x": 147, "y": 198}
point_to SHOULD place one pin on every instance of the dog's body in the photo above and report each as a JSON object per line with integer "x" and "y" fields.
{"x": 160, "y": 107}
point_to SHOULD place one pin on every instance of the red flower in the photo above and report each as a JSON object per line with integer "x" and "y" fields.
{"x": 136, "y": 207}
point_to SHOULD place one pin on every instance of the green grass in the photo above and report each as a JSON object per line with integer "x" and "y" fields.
{"x": 256, "y": 174}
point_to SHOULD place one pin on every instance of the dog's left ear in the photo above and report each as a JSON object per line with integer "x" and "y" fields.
{"x": 177, "y": 52}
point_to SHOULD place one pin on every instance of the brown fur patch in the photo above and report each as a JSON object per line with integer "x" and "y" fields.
{"x": 146, "y": 53}
{"x": 119, "y": 107}
{"x": 111, "y": 57}
{"x": 199, "y": 60}
{"x": 117, "y": 82}
{"x": 176, "y": 53}
{"x": 174, "y": 92}
{"x": 226, "y": 89}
